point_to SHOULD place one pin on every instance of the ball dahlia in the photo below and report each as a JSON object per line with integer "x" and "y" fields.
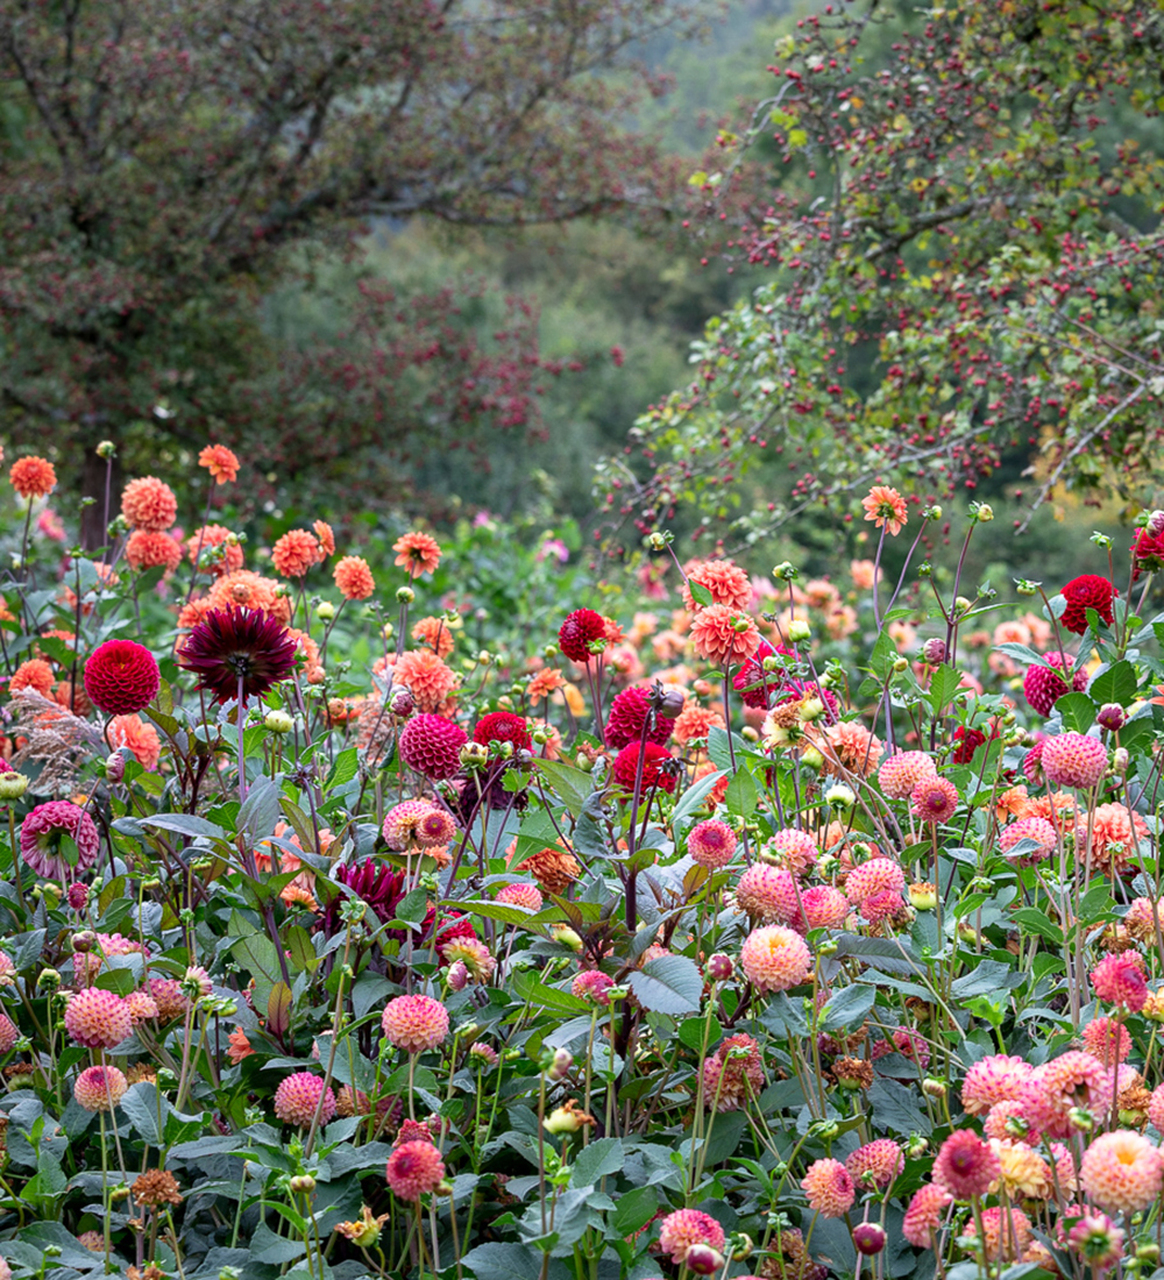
{"x": 295, "y": 553}
{"x": 147, "y": 550}
{"x": 933, "y": 800}
{"x": 793, "y": 849}
{"x": 581, "y": 629}
{"x": 768, "y": 894}
{"x": 903, "y": 771}
{"x": 415, "y": 1023}
{"x": 965, "y": 1165}
{"x": 873, "y": 877}
{"x": 712, "y": 843}
{"x": 775, "y": 958}
{"x": 414, "y": 1169}
{"x": 1089, "y": 591}
{"x": 42, "y": 834}
{"x": 121, "y": 677}
{"x": 1043, "y": 687}
{"x": 829, "y": 1187}
{"x": 825, "y": 907}
{"x": 721, "y": 635}
{"x": 431, "y": 745}
{"x": 353, "y": 578}
{"x": 1120, "y": 979}
{"x": 685, "y": 1228}
{"x": 876, "y": 1164}
{"x": 1122, "y": 1171}
{"x": 98, "y": 1019}
{"x": 924, "y": 1215}
{"x": 1037, "y": 829}
{"x": 297, "y": 1098}
{"x": 149, "y": 503}
{"x": 629, "y": 712}
{"x": 504, "y": 726}
{"x": 593, "y": 985}
{"x": 100, "y": 1088}
{"x": 997, "y": 1078}
{"x": 655, "y": 770}
{"x": 520, "y": 894}
{"x": 35, "y": 674}
{"x": 724, "y": 579}
{"x": 33, "y": 477}
{"x": 1074, "y": 760}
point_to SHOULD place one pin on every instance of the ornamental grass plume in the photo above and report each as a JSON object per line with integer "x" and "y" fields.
{"x": 237, "y": 650}
{"x": 415, "y": 1023}
{"x": 417, "y": 553}
{"x": 414, "y": 1169}
{"x": 775, "y": 958}
{"x": 42, "y": 836}
{"x": 685, "y": 1228}
{"x": 121, "y": 677}
{"x": 100, "y": 1088}
{"x": 1122, "y": 1172}
{"x": 298, "y": 1096}
{"x": 33, "y": 477}
{"x": 149, "y": 503}
{"x": 829, "y": 1188}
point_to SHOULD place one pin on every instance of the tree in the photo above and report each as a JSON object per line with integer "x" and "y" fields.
{"x": 965, "y": 251}
{"x": 167, "y": 164}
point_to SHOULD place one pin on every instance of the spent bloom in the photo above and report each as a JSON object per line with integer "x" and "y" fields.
{"x": 885, "y": 506}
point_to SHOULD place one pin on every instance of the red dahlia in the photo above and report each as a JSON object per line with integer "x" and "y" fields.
{"x": 969, "y": 740}
{"x": 431, "y": 745}
{"x": 236, "y": 646}
{"x": 503, "y": 726}
{"x": 752, "y": 673}
{"x": 1147, "y": 553}
{"x": 121, "y": 677}
{"x": 579, "y": 631}
{"x": 628, "y": 714}
{"x": 655, "y": 771}
{"x": 1087, "y": 592}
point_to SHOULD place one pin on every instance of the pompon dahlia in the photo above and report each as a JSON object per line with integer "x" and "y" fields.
{"x": 593, "y": 985}
{"x": 425, "y": 676}
{"x": 903, "y": 771}
{"x": 629, "y": 711}
{"x": 1115, "y": 840}
{"x": 829, "y": 1187}
{"x": 121, "y": 677}
{"x": 1042, "y": 687}
{"x": 712, "y": 843}
{"x": 172, "y": 1002}
{"x": 141, "y": 738}
{"x": 9, "y": 1034}
{"x": 825, "y": 907}
{"x": 872, "y": 877}
{"x": 1005, "y": 1235}
{"x": 1120, "y": 979}
{"x": 924, "y": 1215}
{"x": 876, "y": 1164}
{"x": 100, "y": 1088}
{"x": 724, "y": 579}
{"x": 297, "y": 1098}
{"x": 1074, "y": 760}
{"x": 147, "y": 550}
{"x": 1122, "y": 1171}
{"x": 1037, "y": 829}
{"x": 581, "y": 629}
{"x": 775, "y": 958}
{"x": 997, "y": 1078}
{"x": 415, "y": 1023}
{"x": 1107, "y": 1040}
{"x": 656, "y": 769}
{"x": 1089, "y": 591}
{"x": 685, "y": 1228}
{"x": 791, "y": 848}
{"x": 417, "y": 553}
{"x": 251, "y": 591}
{"x": 353, "y": 578}
{"x": 965, "y": 1165}
{"x": 414, "y": 1169}
{"x": 504, "y": 726}
{"x": 149, "y": 503}
{"x": 768, "y": 894}
{"x": 1096, "y": 1239}
{"x": 401, "y": 826}
{"x": 33, "y": 477}
{"x": 42, "y": 833}
{"x": 295, "y": 553}
{"x": 98, "y": 1019}
{"x": 519, "y": 894}
{"x": 695, "y": 722}
{"x": 934, "y": 800}
{"x": 721, "y": 635}
{"x": 431, "y": 745}
{"x": 232, "y": 646}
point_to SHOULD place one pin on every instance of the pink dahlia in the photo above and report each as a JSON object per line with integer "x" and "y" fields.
{"x": 829, "y": 1188}
{"x": 924, "y": 1215}
{"x": 1097, "y": 1240}
{"x": 1156, "y": 1108}
{"x": 903, "y": 771}
{"x": 121, "y": 677}
{"x": 1074, "y": 760}
{"x": 722, "y": 636}
{"x": 1043, "y": 687}
{"x": 1037, "y": 829}
{"x": 966, "y": 1166}
{"x": 629, "y": 712}
{"x": 825, "y": 907}
{"x": 414, "y": 1168}
{"x": 1122, "y": 1171}
{"x": 431, "y": 745}
{"x": 775, "y": 958}
{"x": 415, "y": 1023}
{"x": 593, "y": 985}
{"x": 872, "y": 877}
{"x": 520, "y": 894}
{"x": 1006, "y": 1234}
{"x": 734, "y": 1075}
{"x": 1120, "y": 979}
{"x": 793, "y": 849}
{"x": 297, "y": 1098}
{"x": 876, "y": 1164}
{"x": 100, "y": 1088}
{"x": 688, "y": 1227}
{"x": 886, "y": 905}
{"x": 934, "y": 800}
{"x": 766, "y": 894}
{"x": 98, "y": 1019}
{"x": 712, "y": 843}
{"x": 997, "y": 1078}
{"x": 42, "y": 835}
{"x": 9, "y": 1034}
{"x": 417, "y": 823}
{"x": 1107, "y": 1040}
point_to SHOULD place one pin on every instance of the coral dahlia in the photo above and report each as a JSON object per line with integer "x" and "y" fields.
{"x": 775, "y": 958}
{"x": 415, "y": 1023}
{"x": 149, "y": 503}
{"x": 414, "y": 1169}
{"x": 298, "y": 1096}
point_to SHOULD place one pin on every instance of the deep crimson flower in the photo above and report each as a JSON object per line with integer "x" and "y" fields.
{"x": 1147, "y": 553}
{"x": 431, "y": 745}
{"x": 654, "y": 773}
{"x": 382, "y": 887}
{"x": 579, "y": 631}
{"x": 969, "y": 740}
{"x": 233, "y": 645}
{"x": 753, "y": 673}
{"x": 121, "y": 677}
{"x": 628, "y": 713}
{"x": 1087, "y": 592}
{"x": 503, "y": 726}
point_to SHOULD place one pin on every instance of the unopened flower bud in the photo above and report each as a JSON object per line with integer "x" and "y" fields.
{"x": 934, "y": 651}
{"x": 49, "y": 979}
{"x": 923, "y": 896}
{"x": 1155, "y": 525}
{"x": 1082, "y": 1119}
{"x": 961, "y": 605}
{"x": 900, "y": 665}
{"x": 278, "y": 722}
{"x": 401, "y": 703}
{"x": 799, "y": 630}
{"x": 1111, "y": 716}
{"x": 567, "y": 937}
{"x": 741, "y": 1245}
{"x": 811, "y": 709}
{"x": 325, "y": 610}
{"x": 869, "y": 1238}
{"x": 563, "y": 1061}
{"x": 405, "y": 595}
{"x": 567, "y": 1119}
{"x": 840, "y": 796}
{"x": 811, "y": 758}
{"x": 719, "y": 967}
{"x": 703, "y": 1260}
{"x": 83, "y": 942}
{"x": 985, "y": 513}
{"x": 671, "y": 703}
{"x": 302, "y": 1183}
{"x": 114, "y": 768}
{"x": 474, "y": 754}
{"x": 458, "y": 976}
{"x": 1120, "y": 760}
{"x": 916, "y": 1146}
{"x": 106, "y": 450}
{"x": 934, "y": 1088}
{"x": 13, "y": 785}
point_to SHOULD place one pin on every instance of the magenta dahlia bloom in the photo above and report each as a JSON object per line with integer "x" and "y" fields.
{"x": 415, "y": 1023}
{"x": 755, "y": 685}
{"x": 98, "y": 1019}
{"x": 712, "y": 843}
{"x": 503, "y": 726}
{"x": 581, "y": 628}
{"x": 431, "y": 745}
{"x": 1120, "y": 979}
{"x": 1043, "y": 687}
{"x": 414, "y": 1168}
{"x": 121, "y": 677}
{"x": 236, "y": 645}
{"x": 629, "y": 711}
{"x": 934, "y": 800}
{"x": 42, "y": 836}
{"x": 297, "y": 1097}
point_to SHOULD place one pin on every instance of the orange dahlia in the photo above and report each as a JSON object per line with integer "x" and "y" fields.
{"x": 251, "y": 591}
{"x": 326, "y": 537}
{"x": 206, "y": 539}
{"x": 33, "y": 674}
{"x": 695, "y": 721}
{"x": 220, "y": 462}
{"x": 720, "y": 635}
{"x": 149, "y": 503}
{"x": 727, "y": 582}
{"x": 33, "y": 477}
{"x": 147, "y": 549}
{"x": 141, "y": 739}
{"x": 295, "y": 553}
{"x": 885, "y": 506}
{"x": 354, "y": 578}
{"x": 417, "y": 553}
{"x": 429, "y": 679}
{"x": 435, "y": 633}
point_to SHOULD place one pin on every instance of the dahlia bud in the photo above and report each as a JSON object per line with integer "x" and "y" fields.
{"x": 52, "y": 896}
{"x": 812, "y": 759}
{"x": 961, "y": 605}
{"x": 925, "y": 569}
{"x": 562, "y": 1062}
{"x": 933, "y": 512}
{"x": 484, "y": 658}
{"x": 1120, "y": 760}
{"x": 49, "y": 979}
{"x": 474, "y": 755}
{"x": 741, "y": 1245}
{"x": 923, "y": 896}
{"x": 1155, "y": 525}
{"x": 1082, "y": 1119}
{"x": 1148, "y": 1252}
{"x": 302, "y": 1183}
{"x": 741, "y": 624}
{"x": 799, "y": 630}
{"x": 656, "y": 541}
{"x": 12, "y": 785}
{"x": 900, "y": 665}
{"x": 934, "y": 651}
{"x": 563, "y": 934}
{"x": 402, "y": 703}
{"x": 278, "y": 722}
{"x": 670, "y": 704}
{"x": 934, "y": 1088}
{"x": 703, "y": 1260}
{"x": 985, "y": 513}
{"x": 840, "y": 796}
{"x": 869, "y": 1238}
{"x": 785, "y": 571}
{"x": 719, "y": 967}
{"x": 771, "y": 663}
{"x": 1025, "y": 587}
{"x": 405, "y": 595}
{"x": 106, "y": 450}
{"x": 1111, "y": 716}
{"x": 811, "y": 709}
{"x": 564, "y": 1120}
{"x": 325, "y": 610}
{"x": 458, "y": 976}
{"x": 916, "y": 1146}
{"x": 83, "y": 941}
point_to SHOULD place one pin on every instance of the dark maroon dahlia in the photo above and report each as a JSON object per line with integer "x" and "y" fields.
{"x": 237, "y": 646}
{"x": 581, "y": 629}
{"x": 628, "y": 713}
{"x": 381, "y": 886}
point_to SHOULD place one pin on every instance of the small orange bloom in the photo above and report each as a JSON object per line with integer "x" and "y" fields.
{"x": 149, "y": 503}
{"x": 543, "y": 684}
{"x": 238, "y": 1046}
{"x": 33, "y": 674}
{"x": 885, "y": 506}
{"x": 720, "y": 635}
{"x": 33, "y": 477}
{"x": 326, "y": 538}
{"x": 354, "y": 578}
{"x": 220, "y": 462}
{"x": 141, "y": 738}
{"x": 295, "y": 553}
{"x": 436, "y": 634}
{"x": 146, "y": 550}
{"x": 418, "y": 553}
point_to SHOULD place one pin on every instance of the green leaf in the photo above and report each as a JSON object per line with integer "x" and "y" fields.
{"x": 1077, "y": 711}
{"x": 186, "y": 824}
{"x": 944, "y": 684}
{"x": 634, "y": 1209}
{"x": 260, "y": 810}
{"x": 848, "y": 1007}
{"x": 1117, "y": 683}
{"x": 346, "y": 767}
{"x": 699, "y": 593}
{"x": 598, "y": 1160}
{"x": 413, "y": 907}
{"x": 742, "y": 794}
{"x": 266, "y": 1246}
{"x": 1039, "y": 923}
{"x": 141, "y": 1106}
{"x": 571, "y": 785}
{"x": 533, "y": 991}
{"x": 670, "y": 984}
{"x": 489, "y": 910}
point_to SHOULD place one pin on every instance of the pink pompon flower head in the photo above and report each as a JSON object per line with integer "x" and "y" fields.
{"x": 520, "y": 894}
{"x": 42, "y": 837}
{"x": 33, "y": 477}
{"x": 100, "y": 1088}
{"x": 885, "y": 506}
{"x": 233, "y": 646}
{"x": 934, "y": 800}
{"x": 580, "y": 630}
{"x": 629, "y": 713}
{"x": 1038, "y": 830}
{"x": 684, "y": 1229}
{"x": 924, "y": 1215}
{"x": 1074, "y": 760}
{"x": 768, "y": 894}
{"x": 431, "y": 745}
{"x": 415, "y": 1023}
{"x": 792, "y": 849}
{"x": 875, "y": 876}
{"x": 1120, "y": 979}
{"x": 829, "y": 1187}
{"x": 417, "y": 553}
{"x": 997, "y": 1078}
{"x": 1097, "y": 1240}
{"x": 295, "y": 553}
{"x": 297, "y": 1098}
{"x": 825, "y": 907}
{"x": 98, "y": 1019}
{"x": 712, "y": 843}
{"x": 903, "y": 771}
{"x": 966, "y": 1166}
{"x": 220, "y": 462}
{"x": 149, "y": 503}
{"x": 722, "y": 636}
{"x": 414, "y": 1169}
{"x": 1089, "y": 591}
{"x": 775, "y": 958}
{"x": 1122, "y": 1171}
{"x": 876, "y": 1164}
{"x": 734, "y": 1075}
{"x": 1043, "y": 687}
{"x": 353, "y": 578}
{"x": 593, "y": 986}
{"x": 1107, "y": 1040}
{"x": 121, "y": 677}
